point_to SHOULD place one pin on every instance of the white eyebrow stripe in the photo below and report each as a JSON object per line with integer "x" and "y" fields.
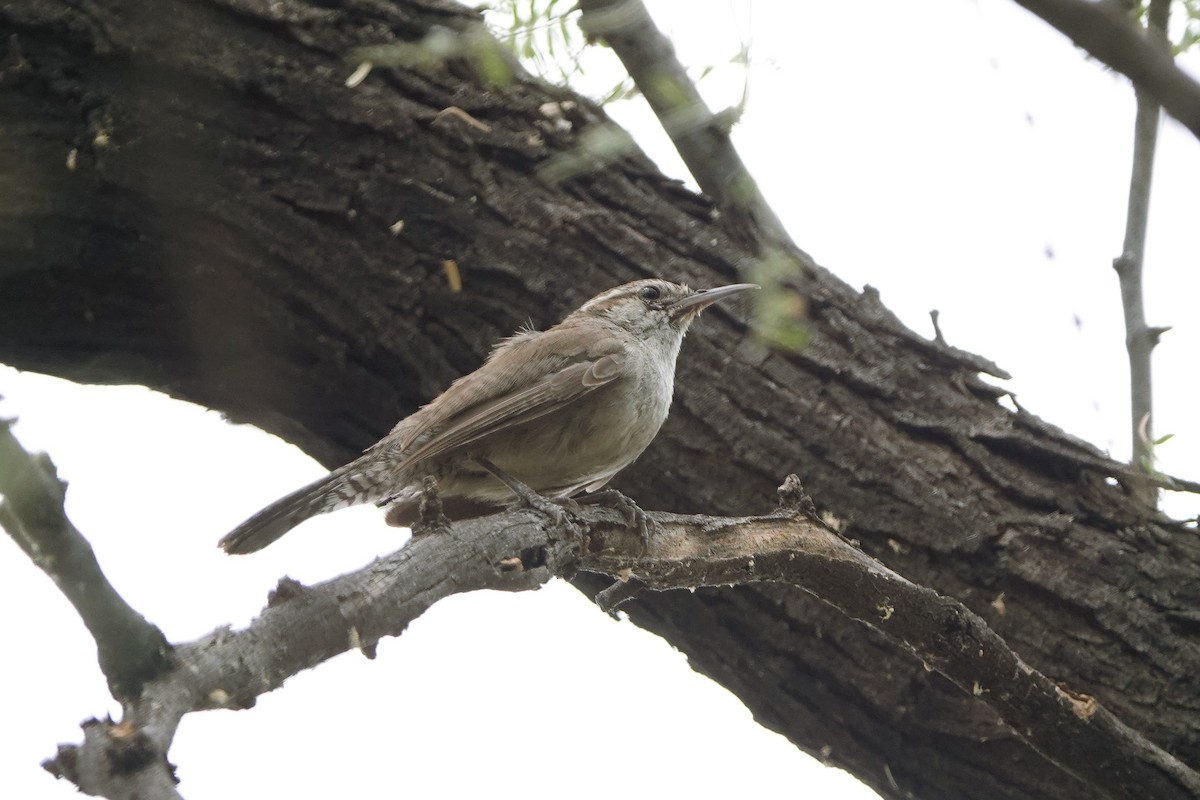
{"x": 605, "y": 298}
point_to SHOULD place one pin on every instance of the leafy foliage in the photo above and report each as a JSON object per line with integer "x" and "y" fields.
{"x": 546, "y": 36}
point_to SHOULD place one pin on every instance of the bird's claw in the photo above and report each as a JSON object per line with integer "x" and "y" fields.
{"x": 635, "y": 517}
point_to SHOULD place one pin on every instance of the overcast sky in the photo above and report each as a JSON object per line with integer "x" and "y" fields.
{"x": 956, "y": 155}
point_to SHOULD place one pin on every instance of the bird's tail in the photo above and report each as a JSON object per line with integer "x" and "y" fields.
{"x": 346, "y": 486}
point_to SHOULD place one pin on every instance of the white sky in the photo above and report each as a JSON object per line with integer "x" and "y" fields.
{"x": 935, "y": 151}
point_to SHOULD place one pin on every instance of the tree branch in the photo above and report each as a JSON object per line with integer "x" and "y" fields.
{"x": 701, "y": 138}
{"x": 1139, "y": 339}
{"x": 1110, "y": 35}
{"x": 518, "y": 550}
{"x": 130, "y": 650}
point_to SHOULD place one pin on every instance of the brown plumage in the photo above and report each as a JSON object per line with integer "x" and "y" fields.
{"x": 562, "y": 410}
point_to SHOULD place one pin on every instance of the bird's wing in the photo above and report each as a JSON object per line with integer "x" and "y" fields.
{"x": 515, "y": 386}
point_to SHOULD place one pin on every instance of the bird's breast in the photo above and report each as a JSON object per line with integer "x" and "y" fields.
{"x": 590, "y": 439}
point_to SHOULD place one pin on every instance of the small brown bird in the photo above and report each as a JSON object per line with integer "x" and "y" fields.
{"x": 561, "y": 410}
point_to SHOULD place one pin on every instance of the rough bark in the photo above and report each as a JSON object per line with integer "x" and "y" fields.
{"x": 193, "y": 200}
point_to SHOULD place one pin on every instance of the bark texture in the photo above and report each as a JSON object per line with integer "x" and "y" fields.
{"x": 192, "y": 199}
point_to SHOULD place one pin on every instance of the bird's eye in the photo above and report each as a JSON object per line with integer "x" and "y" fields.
{"x": 650, "y": 293}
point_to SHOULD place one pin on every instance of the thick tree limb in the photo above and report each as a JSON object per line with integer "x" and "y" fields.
{"x": 1108, "y": 32}
{"x": 304, "y": 626}
{"x": 131, "y": 651}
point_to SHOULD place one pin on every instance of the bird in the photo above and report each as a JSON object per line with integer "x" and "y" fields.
{"x": 561, "y": 411}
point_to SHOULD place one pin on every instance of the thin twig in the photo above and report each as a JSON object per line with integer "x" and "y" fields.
{"x": 701, "y": 137}
{"x": 1139, "y": 339}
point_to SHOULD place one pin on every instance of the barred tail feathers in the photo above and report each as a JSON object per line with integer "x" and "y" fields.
{"x": 347, "y": 486}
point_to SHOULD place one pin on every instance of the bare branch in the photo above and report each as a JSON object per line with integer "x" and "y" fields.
{"x": 303, "y": 626}
{"x": 131, "y": 651}
{"x": 1139, "y": 339}
{"x": 701, "y": 137}
{"x": 1109, "y": 34}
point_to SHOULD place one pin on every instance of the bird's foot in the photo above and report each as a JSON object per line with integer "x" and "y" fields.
{"x": 527, "y": 496}
{"x": 635, "y": 517}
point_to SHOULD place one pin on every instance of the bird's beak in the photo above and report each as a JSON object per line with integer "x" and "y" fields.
{"x": 693, "y": 304}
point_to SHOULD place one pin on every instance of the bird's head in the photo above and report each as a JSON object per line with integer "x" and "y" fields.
{"x": 654, "y": 306}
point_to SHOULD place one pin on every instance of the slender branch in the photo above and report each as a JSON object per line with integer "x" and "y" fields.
{"x": 130, "y": 650}
{"x": 1139, "y": 338}
{"x": 303, "y": 626}
{"x": 1110, "y": 35}
{"x": 701, "y": 137}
